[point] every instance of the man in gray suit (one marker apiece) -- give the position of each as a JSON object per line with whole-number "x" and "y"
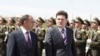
{"x": 59, "y": 39}
{"x": 23, "y": 42}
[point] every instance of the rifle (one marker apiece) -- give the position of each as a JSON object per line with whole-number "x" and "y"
{"x": 6, "y": 34}
{"x": 88, "y": 43}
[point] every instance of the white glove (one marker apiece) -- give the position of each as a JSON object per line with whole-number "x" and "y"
{"x": 6, "y": 32}
{"x": 75, "y": 39}
{"x": 86, "y": 49}
{"x": 89, "y": 41}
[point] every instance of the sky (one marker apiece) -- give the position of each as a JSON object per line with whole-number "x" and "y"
{"x": 86, "y": 9}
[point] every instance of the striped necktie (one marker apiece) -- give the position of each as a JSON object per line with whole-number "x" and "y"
{"x": 28, "y": 42}
{"x": 64, "y": 36}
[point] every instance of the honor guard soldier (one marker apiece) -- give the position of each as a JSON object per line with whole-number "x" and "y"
{"x": 10, "y": 27}
{"x": 79, "y": 37}
{"x": 2, "y": 36}
{"x": 41, "y": 34}
{"x": 72, "y": 24}
{"x": 94, "y": 40}
{"x": 86, "y": 25}
{"x": 50, "y": 22}
{"x": 86, "y": 28}
{"x": 18, "y": 24}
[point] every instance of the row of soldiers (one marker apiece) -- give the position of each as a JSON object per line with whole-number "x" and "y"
{"x": 86, "y": 34}
{"x": 6, "y": 27}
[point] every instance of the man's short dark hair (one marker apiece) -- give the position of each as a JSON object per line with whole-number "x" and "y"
{"x": 24, "y": 18}
{"x": 62, "y": 13}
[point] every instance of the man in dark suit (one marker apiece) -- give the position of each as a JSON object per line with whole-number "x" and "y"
{"x": 59, "y": 39}
{"x": 23, "y": 42}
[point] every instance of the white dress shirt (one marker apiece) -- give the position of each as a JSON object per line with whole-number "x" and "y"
{"x": 24, "y": 32}
{"x": 61, "y": 32}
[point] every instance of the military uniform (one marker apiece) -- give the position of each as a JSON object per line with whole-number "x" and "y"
{"x": 18, "y": 23}
{"x": 10, "y": 28}
{"x": 95, "y": 45}
{"x": 41, "y": 35}
{"x": 86, "y": 28}
{"x": 95, "y": 39}
{"x": 79, "y": 37}
{"x": 40, "y": 31}
{"x": 80, "y": 41}
{"x": 2, "y": 37}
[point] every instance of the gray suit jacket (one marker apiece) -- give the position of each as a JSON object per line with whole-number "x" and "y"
{"x": 54, "y": 43}
{"x": 16, "y": 45}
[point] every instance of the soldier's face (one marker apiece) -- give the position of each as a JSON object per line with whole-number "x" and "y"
{"x": 94, "y": 25}
{"x": 61, "y": 21}
{"x": 72, "y": 24}
{"x": 49, "y": 23}
{"x": 18, "y": 23}
{"x": 10, "y": 22}
{"x": 77, "y": 24}
{"x": 0, "y": 21}
{"x": 38, "y": 23}
{"x": 84, "y": 26}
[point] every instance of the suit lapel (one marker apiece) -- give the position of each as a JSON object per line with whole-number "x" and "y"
{"x": 23, "y": 38}
{"x": 59, "y": 35}
{"x": 32, "y": 39}
{"x": 67, "y": 36}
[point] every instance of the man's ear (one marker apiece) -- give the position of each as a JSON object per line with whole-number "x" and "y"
{"x": 25, "y": 22}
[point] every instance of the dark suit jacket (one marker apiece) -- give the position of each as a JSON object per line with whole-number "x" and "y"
{"x": 55, "y": 46}
{"x": 17, "y": 44}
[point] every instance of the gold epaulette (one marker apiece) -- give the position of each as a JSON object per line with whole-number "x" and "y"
{"x": 98, "y": 31}
{"x": 82, "y": 30}
{"x": 4, "y": 26}
{"x": 42, "y": 28}
{"x": 12, "y": 26}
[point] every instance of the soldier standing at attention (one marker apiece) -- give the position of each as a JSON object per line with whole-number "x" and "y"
{"x": 2, "y": 36}
{"x": 11, "y": 25}
{"x": 95, "y": 38}
{"x": 79, "y": 37}
{"x": 50, "y": 22}
{"x": 41, "y": 34}
{"x": 18, "y": 24}
{"x": 72, "y": 24}
{"x": 86, "y": 28}
{"x": 86, "y": 25}
{"x": 10, "y": 28}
